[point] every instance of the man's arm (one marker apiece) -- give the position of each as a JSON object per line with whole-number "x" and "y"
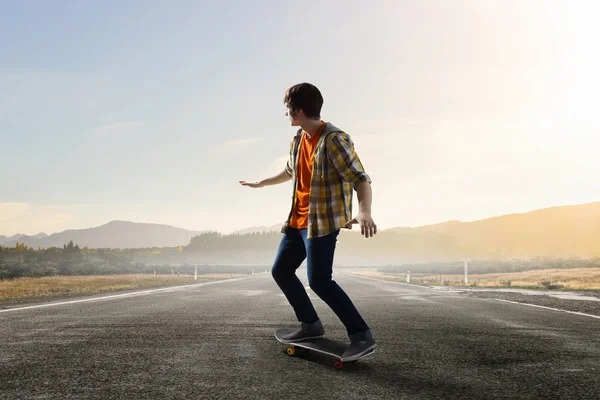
{"x": 364, "y": 219}
{"x": 281, "y": 177}
{"x": 347, "y": 163}
{"x": 365, "y": 195}
{"x": 273, "y": 180}
{"x": 345, "y": 160}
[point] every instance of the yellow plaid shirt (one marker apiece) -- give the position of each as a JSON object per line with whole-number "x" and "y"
{"x": 336, "y": 171}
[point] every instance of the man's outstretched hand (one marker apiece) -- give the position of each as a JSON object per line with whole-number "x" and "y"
{"x": 251, "y": 184}
{"x": 367, "y": 226}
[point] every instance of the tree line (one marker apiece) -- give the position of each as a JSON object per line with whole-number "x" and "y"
{"x": 24, "y": 261}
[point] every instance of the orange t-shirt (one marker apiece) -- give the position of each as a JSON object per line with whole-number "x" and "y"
{"x": 306, "y": 152}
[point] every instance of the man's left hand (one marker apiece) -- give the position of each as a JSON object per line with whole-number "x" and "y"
{"x": 367, "y": 226}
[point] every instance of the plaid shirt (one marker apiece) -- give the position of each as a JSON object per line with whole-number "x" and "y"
{"x": 336, "y": 171}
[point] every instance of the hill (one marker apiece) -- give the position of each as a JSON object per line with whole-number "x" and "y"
{"x": 556, "y": 231}
{"x": 115, "y": 235}
{"x": 564, "y": 231}
{"x": 258, "y": 229}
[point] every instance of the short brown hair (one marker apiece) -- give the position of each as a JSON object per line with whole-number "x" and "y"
{"x": 305, "y": 97}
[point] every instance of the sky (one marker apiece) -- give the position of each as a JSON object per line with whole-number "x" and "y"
{"x": 152, "y": 111}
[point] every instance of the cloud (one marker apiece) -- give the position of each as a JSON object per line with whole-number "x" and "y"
{"x": 116, "y": 127}
{"x": 276, "y": 166}
{"x": 377, "y": 126}
{"x": 232, "y": 147}
{"x": 239, "y": 144}
{"x": 34, "y": 94}
{"x": 31, "y": 219}
{"x": 10, "y": 211}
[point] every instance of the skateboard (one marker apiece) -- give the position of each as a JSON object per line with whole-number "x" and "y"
{"x": 330, "y": 347}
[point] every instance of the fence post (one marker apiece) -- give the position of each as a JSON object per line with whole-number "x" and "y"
{"x": 466, "y": 272}
{"x": 196, "y": 273}
{"x": 407, "y": 276}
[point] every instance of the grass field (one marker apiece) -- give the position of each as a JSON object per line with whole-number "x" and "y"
{"x": 567, "y": 279}
{"x": 26, "y": 288}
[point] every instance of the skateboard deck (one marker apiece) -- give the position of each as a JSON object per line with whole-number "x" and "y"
{"x": 326, "y": 346}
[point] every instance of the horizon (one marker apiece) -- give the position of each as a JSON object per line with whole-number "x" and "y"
{"x": 458, "y": 113}
{"x": 269, "y": 225}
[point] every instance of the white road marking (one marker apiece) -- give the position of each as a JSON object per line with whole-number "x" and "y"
{"x": 116, "y": 296}
{"x": 550, "y": 308}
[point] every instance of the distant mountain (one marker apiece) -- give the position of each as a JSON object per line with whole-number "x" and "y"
{"x": 19, "y": 236}
{"x": 258, "y": 229}
{"x": 559, "y": 231}
{"x": 116, "y": 235}
{"x": 566, "y": 231}
{"x": 4, "y": 239}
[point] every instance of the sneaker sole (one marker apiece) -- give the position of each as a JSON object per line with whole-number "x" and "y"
{"x": 359, "y": 355}
{"x": 291, "y": 341}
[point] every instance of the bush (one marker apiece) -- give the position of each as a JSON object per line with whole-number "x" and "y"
{"x": 550, "y": 285}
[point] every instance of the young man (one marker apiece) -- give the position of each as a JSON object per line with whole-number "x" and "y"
{"x": 324, "y": 168}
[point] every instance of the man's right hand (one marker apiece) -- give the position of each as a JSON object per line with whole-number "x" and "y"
{"x": 252, "y": 184}
{"x": 274, "y": 180}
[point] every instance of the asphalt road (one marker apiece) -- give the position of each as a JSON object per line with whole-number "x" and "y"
{"x": 216, "y": 341}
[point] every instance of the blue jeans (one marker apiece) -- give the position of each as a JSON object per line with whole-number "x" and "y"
{"x": 293, "y": 249}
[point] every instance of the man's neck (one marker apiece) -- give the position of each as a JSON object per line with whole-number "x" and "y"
{"x": 311, "y": 126}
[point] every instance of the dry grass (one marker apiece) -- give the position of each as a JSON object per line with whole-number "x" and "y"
{"x": 573, "y": 279}
{"x": 24, "y": 288}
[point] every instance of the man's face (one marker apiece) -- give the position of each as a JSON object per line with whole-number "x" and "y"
{"x": 295, "y": 117}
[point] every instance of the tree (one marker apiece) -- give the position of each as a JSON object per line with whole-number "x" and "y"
{"x": 71, "y": 248}
{"x": 21, "y": 247}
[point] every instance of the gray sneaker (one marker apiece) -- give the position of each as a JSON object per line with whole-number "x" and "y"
{"x": 306, "y": 332}
{"x": 360, "y": 344}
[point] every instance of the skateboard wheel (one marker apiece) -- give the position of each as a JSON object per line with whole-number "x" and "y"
{"x": 291, "y": 350}
{"x": 339, "y": 364}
